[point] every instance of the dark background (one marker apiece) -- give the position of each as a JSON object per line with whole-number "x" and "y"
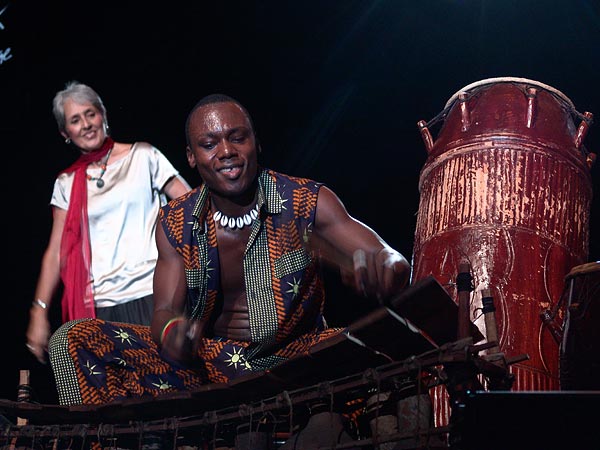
{"x": 335, "y": 89}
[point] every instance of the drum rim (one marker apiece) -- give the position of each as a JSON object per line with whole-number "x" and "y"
{"x": 583, "y": 269}
{"x": 497, "y": 80}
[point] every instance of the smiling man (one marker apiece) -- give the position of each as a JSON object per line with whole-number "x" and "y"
{"x": 247, "y": 282}
{"x": 237, "y": 284}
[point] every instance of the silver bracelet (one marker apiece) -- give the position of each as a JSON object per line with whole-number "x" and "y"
{"x": 42, "y": 304}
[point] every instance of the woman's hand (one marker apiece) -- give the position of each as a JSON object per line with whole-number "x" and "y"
{"x": 38, "y": 333}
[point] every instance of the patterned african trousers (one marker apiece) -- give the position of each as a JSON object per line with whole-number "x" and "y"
{"x": 95, "y": 362}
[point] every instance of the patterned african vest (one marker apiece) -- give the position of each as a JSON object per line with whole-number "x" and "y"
{"x": 283, "y": 283}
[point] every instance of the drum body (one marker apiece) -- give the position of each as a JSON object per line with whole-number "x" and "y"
{"x": 580, "y": 344}
{"x": 507, "y": 187}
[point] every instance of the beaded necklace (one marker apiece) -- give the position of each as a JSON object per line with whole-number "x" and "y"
{"x": 99, "y": 181}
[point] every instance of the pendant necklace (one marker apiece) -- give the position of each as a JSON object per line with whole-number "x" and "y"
{"x": 236, "y": 222}
{"x": 99, "y": 181}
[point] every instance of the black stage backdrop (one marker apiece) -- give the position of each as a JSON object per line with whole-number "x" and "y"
{"x": 335, "y": 87}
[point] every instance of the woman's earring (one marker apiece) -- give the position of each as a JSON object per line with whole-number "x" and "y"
{"x": 67, "y": 140}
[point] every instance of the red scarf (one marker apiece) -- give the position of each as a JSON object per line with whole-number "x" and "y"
{"x": 75, "y": 249}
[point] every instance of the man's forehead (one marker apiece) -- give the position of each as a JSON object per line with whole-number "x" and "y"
{"x": 218, "y": 116}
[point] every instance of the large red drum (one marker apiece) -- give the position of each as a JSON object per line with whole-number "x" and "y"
{"x": 507, "y": 187}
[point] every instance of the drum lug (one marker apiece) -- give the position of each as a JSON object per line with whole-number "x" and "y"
{"x": 531, "y": 110}
{"x": 465, "y": 114}
{"x": 425, "y": 135}
{"x": 583, "y": 129}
